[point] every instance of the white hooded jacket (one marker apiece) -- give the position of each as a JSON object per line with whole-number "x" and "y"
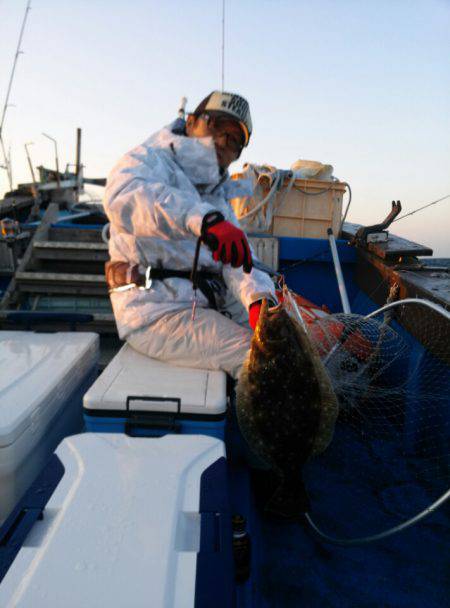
{"x": 155, "y": 199}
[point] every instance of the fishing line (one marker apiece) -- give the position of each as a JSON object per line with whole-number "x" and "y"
{"x": 223, "y": 45}
{"x": 424, "y": 207}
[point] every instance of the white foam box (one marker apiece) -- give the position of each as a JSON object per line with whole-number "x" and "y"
{"x": 141, "y": 395}
{"x": 133, "y": 522}
{"x": 42, "y": 379}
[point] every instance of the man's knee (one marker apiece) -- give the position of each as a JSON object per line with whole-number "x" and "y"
{"x": 209, "y": 341}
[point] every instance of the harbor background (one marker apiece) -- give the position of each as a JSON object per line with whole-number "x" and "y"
{"x": 362, "y": 86}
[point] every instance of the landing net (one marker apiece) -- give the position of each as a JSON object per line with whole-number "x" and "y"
{"x": 389, "y": 461}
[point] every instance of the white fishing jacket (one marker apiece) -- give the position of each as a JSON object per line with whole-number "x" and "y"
{"x": 155, "y": 199}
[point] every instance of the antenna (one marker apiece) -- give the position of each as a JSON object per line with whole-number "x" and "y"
{"x": 55, "y": 143}
{"x": 6, "y": 104}
{"x": 223, "y": 44}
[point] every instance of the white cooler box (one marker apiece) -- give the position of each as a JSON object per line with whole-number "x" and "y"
{"x": 43, "y": 377}
{"x": 146, "y": 397}
{"x": 139, "y": 522}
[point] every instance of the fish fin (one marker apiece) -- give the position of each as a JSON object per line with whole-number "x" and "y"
{"x": 290, "y": 500}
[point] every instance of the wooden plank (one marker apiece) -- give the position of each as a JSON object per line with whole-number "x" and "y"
{"x": 61, "y": 289}
{"x": 102, "y": 323}
{"x": 61, "y": 278}
{"x": 375, "y": 278}
{"x": 75, "y": 234}
{"x": 72, "y": 266}
{"x": 394, "y": 248}
{"x": 85, "y": 246}
{"x": 61, "y": 283}
{"x": 429, "y": 284}
{"x": 97, "y": 316}
{"x": 70, "y": 251}
{"x": 71, "y": 255}
{"x": 41, "y": 234}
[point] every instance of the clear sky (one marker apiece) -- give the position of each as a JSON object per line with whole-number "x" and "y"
{"x": 362, "y": 85}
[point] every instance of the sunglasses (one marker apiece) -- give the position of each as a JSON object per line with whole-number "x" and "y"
{"x": 218, "y": 128}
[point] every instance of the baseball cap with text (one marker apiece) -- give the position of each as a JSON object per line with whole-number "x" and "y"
{"x": 219, "y": 103}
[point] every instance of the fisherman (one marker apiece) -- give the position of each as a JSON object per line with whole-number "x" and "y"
{"x": 164, "y": 198}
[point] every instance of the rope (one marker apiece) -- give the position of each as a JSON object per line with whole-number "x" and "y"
{"x": 344, "y": 217}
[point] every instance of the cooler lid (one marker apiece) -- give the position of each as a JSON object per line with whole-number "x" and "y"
{"x": 122, "y": 527}
{"x": 39, "y": 371}
{"x": 139, "y": 383}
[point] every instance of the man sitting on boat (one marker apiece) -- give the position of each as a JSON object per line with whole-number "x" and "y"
{"x": 160, "y": 198}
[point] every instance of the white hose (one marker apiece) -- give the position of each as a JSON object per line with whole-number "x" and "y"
{"x": 270, "y": 201}
{"x": 264, "y": 201}
{"x": 364, "y": 540}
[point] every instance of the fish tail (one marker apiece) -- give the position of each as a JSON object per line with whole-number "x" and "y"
{"x": 290, "y": 500}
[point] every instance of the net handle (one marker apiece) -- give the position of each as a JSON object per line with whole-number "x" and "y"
{"x": 436, "y": 307}
{"x": 364, "y": 540}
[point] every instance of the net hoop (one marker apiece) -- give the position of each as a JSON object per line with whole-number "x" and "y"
{"x": 363, "y": 540}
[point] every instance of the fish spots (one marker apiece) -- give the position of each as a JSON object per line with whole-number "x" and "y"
{"x": 282, "y": 393}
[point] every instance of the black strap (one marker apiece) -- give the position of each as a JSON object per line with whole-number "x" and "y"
{"x": 159, "y": 274}
{"x": 207, "y": 290}
{"x": 201, "y": 279}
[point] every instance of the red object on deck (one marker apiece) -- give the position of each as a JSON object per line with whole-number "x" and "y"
{"x": 327, "y": 334}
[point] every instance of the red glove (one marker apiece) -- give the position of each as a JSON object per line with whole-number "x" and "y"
{"x": 253, "y": 314}
{"x": 227, "y": 242}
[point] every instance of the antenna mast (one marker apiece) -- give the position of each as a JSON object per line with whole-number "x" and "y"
{"x": 7, "y": 160}
{"x": 223, "y": 44}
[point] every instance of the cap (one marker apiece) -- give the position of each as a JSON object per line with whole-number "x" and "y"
{"x": 228, "y": 104}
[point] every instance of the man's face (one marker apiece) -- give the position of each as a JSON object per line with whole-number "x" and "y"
{"x": 226, "y": 133}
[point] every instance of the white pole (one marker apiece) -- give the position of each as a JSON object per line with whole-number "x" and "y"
{"x": 339, "y": 275}
{"x": 55, "y": 143}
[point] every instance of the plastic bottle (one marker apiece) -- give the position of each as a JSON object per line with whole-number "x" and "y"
{"x": 241, "y": 549}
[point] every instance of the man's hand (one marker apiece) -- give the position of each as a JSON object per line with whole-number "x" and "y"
{"x": 227, "y": 242}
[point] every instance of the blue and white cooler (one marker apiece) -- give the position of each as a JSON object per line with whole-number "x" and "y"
{"x": 131, "y": 521}
{"x": 146, "y": 397}
{"x": 43, "y": 377}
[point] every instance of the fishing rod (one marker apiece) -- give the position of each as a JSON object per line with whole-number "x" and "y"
{"x": 7, "y": 160}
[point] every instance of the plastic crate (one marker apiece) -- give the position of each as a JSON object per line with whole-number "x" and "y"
{"x": 308, "y": 209}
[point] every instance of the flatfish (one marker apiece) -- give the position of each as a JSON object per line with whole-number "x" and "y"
{"x": 285, "y": 404}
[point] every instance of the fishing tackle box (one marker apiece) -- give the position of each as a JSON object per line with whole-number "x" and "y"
{"x": 141, "y": 396}
{"x": 43, "y": 377}
{"x": 129, "y": 522}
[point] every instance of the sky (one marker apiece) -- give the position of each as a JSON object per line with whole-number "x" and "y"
{"x": 363, "y": 86}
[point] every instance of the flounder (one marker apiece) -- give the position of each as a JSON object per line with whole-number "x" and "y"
{"x": 286, "y": 406}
